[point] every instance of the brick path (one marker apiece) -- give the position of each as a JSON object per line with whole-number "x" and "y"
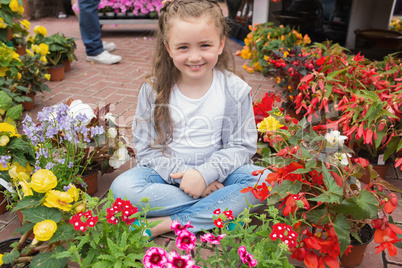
{"x": 118, "y": 84}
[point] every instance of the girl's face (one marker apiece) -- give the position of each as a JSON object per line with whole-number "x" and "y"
{"x": 194, "y": 45}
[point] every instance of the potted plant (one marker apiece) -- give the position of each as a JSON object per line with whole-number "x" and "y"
{"x": 70, "y": 55}
{"x": 58, "y": 45}
{"x": 9, "y": 10}
{"x": 79, "y": 140}
{"x": 20, "y": 31}
{"x": 9, "y": 62}
{"x": 314, "y": 180}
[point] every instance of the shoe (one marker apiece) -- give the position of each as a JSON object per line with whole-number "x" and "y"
{"x": 146, "y": 233}
{"x": 104, "y": 58}
{"x": 232, "y": 225}
{"x": 109, "y": 47}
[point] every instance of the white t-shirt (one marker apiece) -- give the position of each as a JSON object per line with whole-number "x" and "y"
{"x": 198, "y": 122}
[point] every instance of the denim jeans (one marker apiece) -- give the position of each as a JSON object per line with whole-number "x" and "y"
{"x": 140, "y": 182}
{"x": 90, "y": 27}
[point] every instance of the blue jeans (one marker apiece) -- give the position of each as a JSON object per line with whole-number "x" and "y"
{"x": 140, "y": 182}
{"x": 90, "y": 27}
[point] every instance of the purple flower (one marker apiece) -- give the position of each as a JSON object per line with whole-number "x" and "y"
{"x": 212, "y": 238}
{"x": 155, "y": 258}
{"x": 246, "y": 257}
{"x": 186, "y": 240}
{"x": 70, "y": 164}
{"x": 97, "y": 131}
{"x": 49, "y": 165}
{"x": 177, "y": 227}
{"x": 4, "y": 160}
{"x": 61, "y": 161}
{"x": 175, "y": 260}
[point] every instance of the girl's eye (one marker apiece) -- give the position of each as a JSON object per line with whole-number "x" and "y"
{"x": 205, "y": 45}
{"x": 182, "y": 47}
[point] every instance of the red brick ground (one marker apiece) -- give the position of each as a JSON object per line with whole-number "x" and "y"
{"x": 118, "y": 84}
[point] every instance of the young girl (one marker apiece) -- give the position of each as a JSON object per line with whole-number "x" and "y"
{"x": 194, "y": 129}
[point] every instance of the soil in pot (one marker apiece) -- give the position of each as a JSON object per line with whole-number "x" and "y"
{"x": 355, "y": 257}
{"x": 5, "y": 247}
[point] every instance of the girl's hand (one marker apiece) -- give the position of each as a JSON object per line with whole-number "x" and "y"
{"x": 192, "y": 182}
{"x": 212, "y": 188}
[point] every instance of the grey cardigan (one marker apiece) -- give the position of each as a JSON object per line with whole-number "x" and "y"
{"x": 239, "y": 135}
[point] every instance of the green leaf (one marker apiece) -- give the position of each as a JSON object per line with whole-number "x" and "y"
{"x": 332, "y": 187}
{"x": 342, "y": 230}
{"x": 327, "y": 197}
{"x": 331, "y": 76}
{"x": 9, "y": 257}
{"x": 25, "y": 228}
{"x": 42, "y": 213}
{"x": 46, "y": 260}
{"x": 399, "y": 147}
{"x": 27, "y": 202}
{"x": 317, "y": 216}
{"x": 362, "y": 207}
{"x": 287, "y": 187}
{"x": 63, "y": 233}
{"x": 380, "y": 135}
{"x": 15, "y": 112}
{"x": 391, "y": 147}
{"x": 5, "y": 101}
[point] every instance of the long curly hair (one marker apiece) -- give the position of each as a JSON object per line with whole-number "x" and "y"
{"x": 164, "y": 73}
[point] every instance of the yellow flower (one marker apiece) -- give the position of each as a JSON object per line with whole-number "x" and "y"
{"x": 41, "y": 30}
{"x": 19, "y": 168}
{"x": 47, "y": 76}
{"x": 21, "y": 10}
{"x": 43, "y": 58}
{"x": 2, "y": 24}
{"x": 269, "y": 123}
{"x": 26, "y": 24}
{"x": 285, "y": 54}
{"x": 6, "y": 127}
{"x": 18, "y": 76}
{"x": 31, "y": 39}
{"x": 29, "y": 52}
{"x": 278, "y": 79}
{"x": 43, "y": 180}
{"x": 4, "y": 140}
{"x": 73, "y": 191}
{"x": 2, "y": 111}
{"x": 26, "y": 189}
{"x": 58, "y": 199}
{"x": 43, "y": 49}
{"x": 4, "y": 168}
{"x": 1, "y": 259}
{"x": 3, "y": 71}
{"x": 44, "y": 230}
{"x": 14, "y": 5}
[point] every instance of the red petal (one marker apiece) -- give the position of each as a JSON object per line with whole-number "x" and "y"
{"x": 311, "y": 260}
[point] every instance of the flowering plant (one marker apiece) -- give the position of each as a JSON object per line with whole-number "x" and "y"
{"x": 59, "y": 45}
{"x": 315, "y": 181}
{"x": 70, "y": 139}
{"x": 9, "y": 62}
{"x": 20, "y": 31}
{"x": 262, "y": 245}
{"x": 9, "y": 10}
{"x": 265, "y": 38}
{"x": 396, "y": 24}
{"x": 9, "y": 113}
{"x": 133, "y": 6}
{"x": 105, "y": 233}
{"x": 46, "y": 208}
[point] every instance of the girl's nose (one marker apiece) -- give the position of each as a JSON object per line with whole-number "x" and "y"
{"x": 194, "y": 56}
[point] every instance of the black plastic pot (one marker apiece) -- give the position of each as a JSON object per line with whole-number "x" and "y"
{"x": 377, "y": 43}
{"x": 5, "y": 246}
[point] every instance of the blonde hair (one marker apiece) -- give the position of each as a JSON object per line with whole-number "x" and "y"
{"x": 164, "y": 73}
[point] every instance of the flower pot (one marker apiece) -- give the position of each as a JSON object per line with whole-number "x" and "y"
{"x": 110, "y": 14}
{"x": 67, "y": 65}
{"x": 56, "y": 72}
{"x": 9, "y": 34}
{"x": 21, "y": 50}
{"x": 5, "y": 246}
{"x": 27, "y": 105}
{"x": 380, "y": 169}
{"x": 91, "y": 181}
{"x": 3, "y": 203}
{"x": 355, "y": 256}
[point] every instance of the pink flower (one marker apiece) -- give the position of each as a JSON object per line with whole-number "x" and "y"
{"x": 155, "y": 258}
{"x": 186, "y": 240}
{"x": 175, "y": 260}
{"x": 246, "y": 257}
{"x": 177, "y": 227}
{"x": 212, "y": 238}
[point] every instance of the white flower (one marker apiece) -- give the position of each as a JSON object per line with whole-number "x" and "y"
{"x": 112, "y": 133}
{"x": 110, "y": 117}
{"x": 77, "y": 107}
{"x": 119, "y": 158}
{"x": 343, "y": 158}
{"x": 335, "y": 138}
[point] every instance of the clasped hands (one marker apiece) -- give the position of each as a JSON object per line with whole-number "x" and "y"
{"x": 193, "y": 184}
